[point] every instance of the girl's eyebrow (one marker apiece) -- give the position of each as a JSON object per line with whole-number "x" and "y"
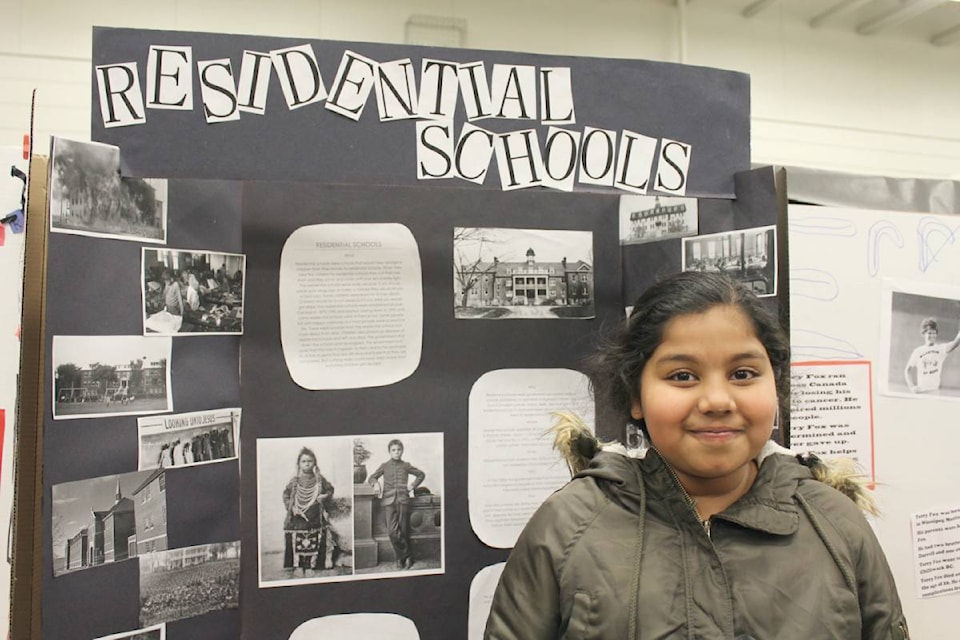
{"x": 686, "y": 358}
{"x": 680, "y": 358}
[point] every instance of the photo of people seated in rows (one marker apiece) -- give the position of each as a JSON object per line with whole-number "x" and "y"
{"x": 747, "y": 255}
{"x": 191, "y": 292}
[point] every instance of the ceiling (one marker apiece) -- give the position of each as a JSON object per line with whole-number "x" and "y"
{"x": 935, "y": 22}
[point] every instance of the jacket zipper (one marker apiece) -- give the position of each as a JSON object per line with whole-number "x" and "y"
{"x": 706, "y": 524}
{"x": 690, "y": 501}
{"x": 903, "y": 631}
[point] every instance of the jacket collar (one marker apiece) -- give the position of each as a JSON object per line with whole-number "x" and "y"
{"x": 768, "y": 506}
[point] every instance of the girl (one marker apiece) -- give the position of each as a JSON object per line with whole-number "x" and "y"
{"x": 713, "y": 531}
{"x": 306, "y": 499}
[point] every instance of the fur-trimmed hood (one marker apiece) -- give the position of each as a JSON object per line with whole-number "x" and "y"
{"x": 578, "y": 446}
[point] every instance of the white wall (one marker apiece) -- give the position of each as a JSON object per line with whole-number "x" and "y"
{"x": 821, "y": 98}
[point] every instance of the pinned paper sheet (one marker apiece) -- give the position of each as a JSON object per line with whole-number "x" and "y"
{"x": 831, "y": 411}
{"x": 481, "y": 599}
{"x": 358, "y": 626}
{"x": 351, "y": 305}
{"x": 513, "y": 90}
{"x": 556, "y": 98}
{"x": 299, "y": 74}
{"x": 170, "y": 77}
{"x": 153, "y": 632}
{"x": 513, "y": 467}
{"x": 936, "y": 550}
{"x": 439, "y": 88}
{"x": 352, "y": 86}
{"x": 217, "y": 90}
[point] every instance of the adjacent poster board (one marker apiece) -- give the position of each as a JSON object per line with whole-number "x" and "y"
{"x": 867, "y": 286}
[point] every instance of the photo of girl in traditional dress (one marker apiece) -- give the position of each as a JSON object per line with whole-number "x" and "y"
{"x": 309, "y": 540}
{"x": 306, "y": 510}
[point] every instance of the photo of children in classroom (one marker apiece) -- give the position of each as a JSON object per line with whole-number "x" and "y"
{"x": 190, "y": 292}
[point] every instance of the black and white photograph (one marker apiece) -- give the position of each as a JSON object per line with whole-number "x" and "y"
{"x": 305, "y": 510}
{"x": 98, "y": 376}
{"x": 749, "y": 255}
{"x": 398, "y": 498}
{"x": 189, "y": 581}
{"x": 188, "y": 439}
{"x": 651, "y": 218}
{"x": 153, "y": 632}
{"x": 501, "y": 273}
{"x": 89, "y": 197}
{"x": 108, "y": 519}
{"x": 921, "y": 330}
{"x": 192, "y": 292}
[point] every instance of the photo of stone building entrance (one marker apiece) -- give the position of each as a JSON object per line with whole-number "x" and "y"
{"x": 552, "y": 278}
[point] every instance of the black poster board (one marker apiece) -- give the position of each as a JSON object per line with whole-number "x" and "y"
{"x": 244, "y": 186}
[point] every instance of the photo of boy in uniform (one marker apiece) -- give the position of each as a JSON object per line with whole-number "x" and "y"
{"x": 394, "y": 493}
{"x": 925, "y": 365}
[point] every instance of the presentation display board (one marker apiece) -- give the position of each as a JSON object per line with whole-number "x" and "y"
{"x": 301, "y": 383}
{"x": 875, "y": 327}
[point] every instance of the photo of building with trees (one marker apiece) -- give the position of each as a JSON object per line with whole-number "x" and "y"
{"x": 88, "y": 196}
{"x": 103, "y": 382}
{"x": 491, "y": 283}
{"x": 110, "y": 375}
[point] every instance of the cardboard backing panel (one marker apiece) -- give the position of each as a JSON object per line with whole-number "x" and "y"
{"x": 25, "y": 591}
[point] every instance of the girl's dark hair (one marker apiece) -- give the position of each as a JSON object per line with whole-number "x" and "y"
{"x": 614, "y": 369}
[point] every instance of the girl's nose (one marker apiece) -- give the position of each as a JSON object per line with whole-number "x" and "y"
{"x": 715, "y": 397}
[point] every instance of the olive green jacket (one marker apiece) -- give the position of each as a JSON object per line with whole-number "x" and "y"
{"x": 619, "y": 553}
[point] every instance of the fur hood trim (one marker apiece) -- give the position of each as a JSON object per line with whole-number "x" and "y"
{"x": 575, "y": 442}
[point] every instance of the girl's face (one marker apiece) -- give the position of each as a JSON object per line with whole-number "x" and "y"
{"x": 306, "y": 463}
{"x": 708, "y": 396}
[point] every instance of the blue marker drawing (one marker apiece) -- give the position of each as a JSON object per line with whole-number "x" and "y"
{"x": 815, "y": 284}
{"x": 933, "y": 237}
{"x": 824, "y": 226}
{"x": 877, "y": 232}
{"x": 813, "y": 345}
